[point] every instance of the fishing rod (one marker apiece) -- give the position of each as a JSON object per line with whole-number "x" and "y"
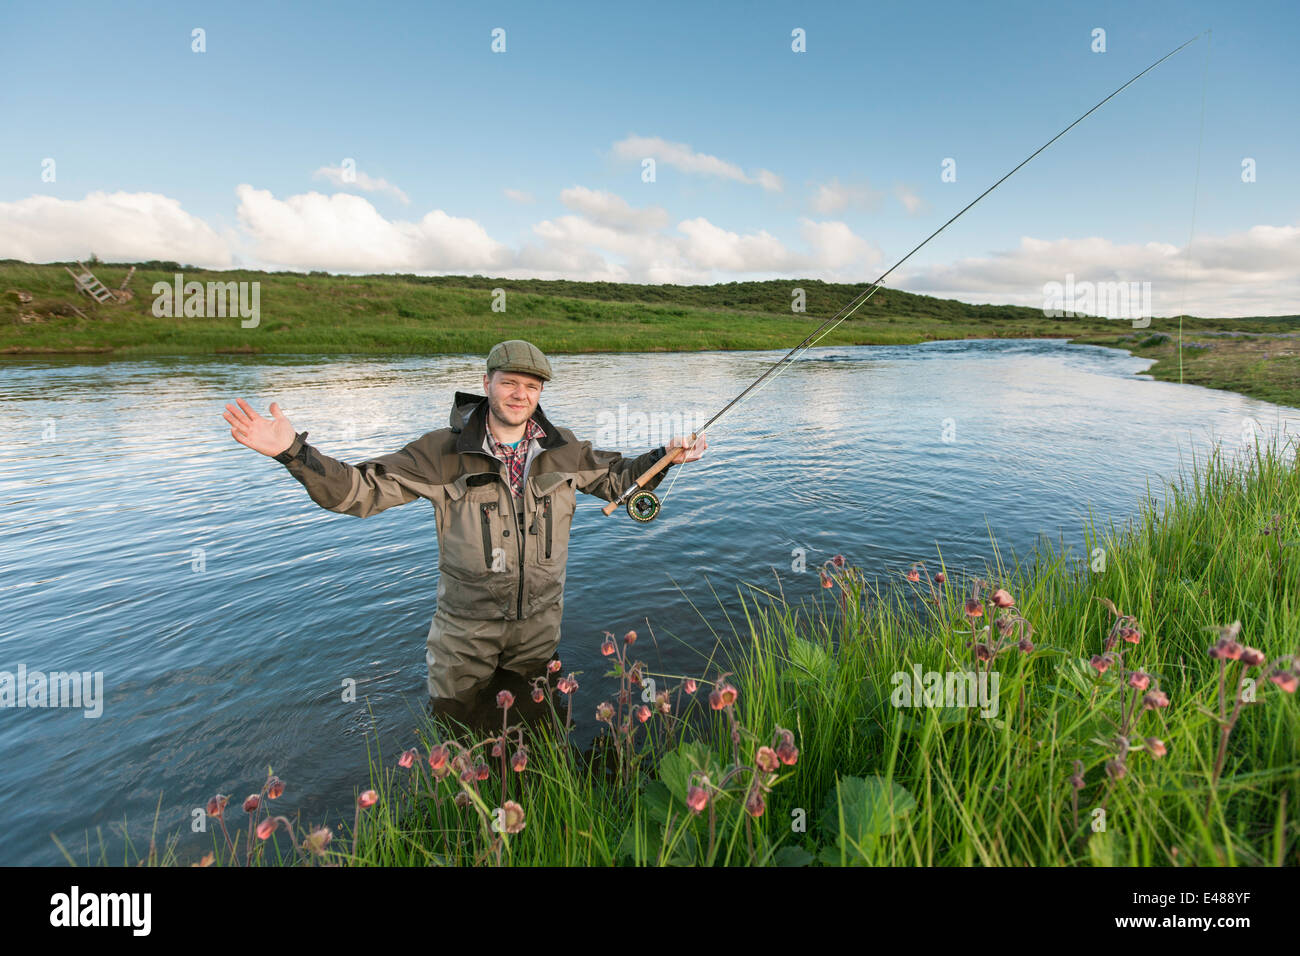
{"x": 643, "y": 505}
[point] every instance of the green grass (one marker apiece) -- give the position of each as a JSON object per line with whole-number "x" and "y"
{"x": 885, "y": 785}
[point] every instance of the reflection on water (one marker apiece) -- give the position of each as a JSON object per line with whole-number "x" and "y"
{"x": 227, "y": 611}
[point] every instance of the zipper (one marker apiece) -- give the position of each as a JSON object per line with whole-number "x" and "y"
{"x": 487, "y": 531}
{"x": 548, "y": 527}
{"x": 519, "y": 611}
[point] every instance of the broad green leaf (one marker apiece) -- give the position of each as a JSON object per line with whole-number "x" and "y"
{"x": 676, "y": 766}
{"x": 810, "y": 659}
{"x": 792, "y": 856}
{"x": 872, "y": 808}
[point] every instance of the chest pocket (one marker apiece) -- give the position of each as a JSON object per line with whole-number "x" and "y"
{"x": 474, "y": 538}
{"x": 554, "y": 502}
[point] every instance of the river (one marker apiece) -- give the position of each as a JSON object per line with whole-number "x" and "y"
{"x": 224, "y": 609}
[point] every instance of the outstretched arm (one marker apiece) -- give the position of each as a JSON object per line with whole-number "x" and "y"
{"x": 361, "y": 490}
{"x": 607, "y": 474}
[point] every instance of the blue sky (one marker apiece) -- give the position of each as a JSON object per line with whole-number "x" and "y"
{"x": 770, "y": 163}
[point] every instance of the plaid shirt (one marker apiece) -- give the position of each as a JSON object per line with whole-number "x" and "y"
{"x": 516, "y": 455}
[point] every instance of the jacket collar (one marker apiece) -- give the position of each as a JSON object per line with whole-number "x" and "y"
{"x": 468, "y": 423}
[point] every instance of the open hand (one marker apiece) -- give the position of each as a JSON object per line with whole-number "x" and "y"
{"x": 270, "y": 436}
{"x": 694, "y": 453}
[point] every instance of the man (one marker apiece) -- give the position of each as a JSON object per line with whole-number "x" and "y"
{"x": 503, "y": 482}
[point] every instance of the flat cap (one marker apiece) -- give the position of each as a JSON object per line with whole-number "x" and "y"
{"x": 517, "y": 355}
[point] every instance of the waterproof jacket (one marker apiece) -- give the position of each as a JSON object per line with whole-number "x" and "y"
{"x": 492, "y": 565}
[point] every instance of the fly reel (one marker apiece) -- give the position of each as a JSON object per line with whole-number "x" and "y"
{"x": 643, "y": 506}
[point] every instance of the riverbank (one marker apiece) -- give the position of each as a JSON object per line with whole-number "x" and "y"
{"x": 1136, "y": 707}
{"x": 1260, "y": 364}
{"x": 319, "y": 314}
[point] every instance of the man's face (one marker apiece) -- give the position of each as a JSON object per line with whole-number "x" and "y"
{"x": 512, "y": 396}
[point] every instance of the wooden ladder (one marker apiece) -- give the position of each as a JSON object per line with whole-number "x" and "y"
{"x": 88, "y": 284}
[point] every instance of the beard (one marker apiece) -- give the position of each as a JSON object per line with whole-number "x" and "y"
{"x": 511, "y": 416}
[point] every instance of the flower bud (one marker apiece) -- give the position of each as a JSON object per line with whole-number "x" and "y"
{"x": 696, "y": 798}
{"x": 438, "y": 757}
{"x": 1287, "y": 680}
{"x": 1155, "y": 698}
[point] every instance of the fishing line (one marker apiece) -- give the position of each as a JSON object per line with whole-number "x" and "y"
{"x": 834, "y": 321}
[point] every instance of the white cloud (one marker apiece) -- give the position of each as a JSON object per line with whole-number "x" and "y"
{"x": 344, "y": 178}
{"x": 116, "y": 226}
{"x": 346, "y": 233}
{"x": 913, "y": 203}
{"x": 1255, "y": 272}
{"x": 836, "y": 248}
{"x": 614, "y": 211}
{"x": 1250, "y": 272}
{"x": 835, "y": 197}
{"x": 713, "y": 247}
{"x": 697, "y": 252}
{"x": 518, "y": 195}
{"x": 681, "y": 156}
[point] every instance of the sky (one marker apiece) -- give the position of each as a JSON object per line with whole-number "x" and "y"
{"x": 370, "y": 138}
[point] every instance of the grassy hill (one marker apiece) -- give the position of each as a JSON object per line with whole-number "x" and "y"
{"x": 318, "y": 313}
